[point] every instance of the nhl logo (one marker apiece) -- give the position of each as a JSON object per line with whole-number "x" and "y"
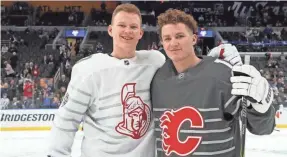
{"x": 181, "y": 76}
{"x": 126, "y": 62}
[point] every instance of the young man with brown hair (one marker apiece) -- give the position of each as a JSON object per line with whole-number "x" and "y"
{"x": 111, "y": 93}
{"x": 196, "y": 101}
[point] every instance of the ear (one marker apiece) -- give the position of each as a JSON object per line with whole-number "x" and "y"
{"x": 110, "y": 30}
{"x": 141, "y": 33}
{"x": 194, "y": 39}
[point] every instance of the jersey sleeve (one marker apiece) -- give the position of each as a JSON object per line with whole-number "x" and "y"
{"x": 261, "y": 123}
{"x": 75, "y": 103}
{"x": 257, "y": 123}
{"x": 158, "y": 58}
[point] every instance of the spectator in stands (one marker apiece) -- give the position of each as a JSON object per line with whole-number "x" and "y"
{"x": 51, "y": 59}
{"x": 63, "y": 82}
{"x": 30, "y": 67}
{"x": 36, "y": 71}
{"x": 200, "y": 19}
{"x": 4, "y": 88}
{"x": 12, "y": 89}
{"x": 12, "y": 48}
{"x": 281, "y": 74}
{"x": 4, "y": 102}
{"x": 282, "y": 96}
{"x": 68, "y": 71}
{"x": 25, "y": 73}
{"x": 62, "y": 92}
{"x": 4, "y": 49}
{"x": 99, "y": 48}
{"x": 280, "y": 83}
{"x": 14, "y": 60}
{"x": 267, "y": 75}
{"x": 45, "y": 60}
{"x": 27, "y": 102}
{"x": 56, "y": 102}
{"x": 28, "y": 89}
{"x": 16, "y": 104}
{"x": 9, "y": 70}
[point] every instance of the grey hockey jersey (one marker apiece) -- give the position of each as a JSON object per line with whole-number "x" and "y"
{"x": 196, "y": 115}
{"x": 112, "y": 97}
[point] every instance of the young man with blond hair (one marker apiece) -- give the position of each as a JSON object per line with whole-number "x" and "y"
{"x": 197, "y": 101}
{"x": 111, "y": 93}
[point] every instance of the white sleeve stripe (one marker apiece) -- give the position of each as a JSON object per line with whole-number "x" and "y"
{"x": 103, "y": 131}
{"x": 66, "y": 130}
{"x": 138, "y": 73}
{"x": 59, "y": 151}
{"x": 72, "y": 111}
{"x": 80, "y": 91}
{"x": 237, "y": 107}
{"x": 96, "y": 122}
{"x": 66, "y": 125}
{"x": 110, "y": 117}
{"x": 79, "y": 102}
{"x": 147, "y": 101}
{"x": 223, "y": 62}
{"x": 229, "y": 101}
{"x": 68, "y": 119}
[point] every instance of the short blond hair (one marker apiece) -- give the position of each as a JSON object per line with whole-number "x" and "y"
{"x": 174, "y": 16}
{"x": 127, "y": 7}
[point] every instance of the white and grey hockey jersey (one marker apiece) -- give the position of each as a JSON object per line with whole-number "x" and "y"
{"x": 112, "y": 97}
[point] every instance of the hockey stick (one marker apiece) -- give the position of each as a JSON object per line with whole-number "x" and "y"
{"x": 243, "y": 123}
{"x": 243, "y": 120}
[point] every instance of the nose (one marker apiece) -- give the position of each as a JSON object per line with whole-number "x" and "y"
{"x": 174, "y": 43}
{"x": 128, "y": 30}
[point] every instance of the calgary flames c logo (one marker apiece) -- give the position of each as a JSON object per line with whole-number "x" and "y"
{"x": 171, "y": 121}
{"x": 136, "y": 114}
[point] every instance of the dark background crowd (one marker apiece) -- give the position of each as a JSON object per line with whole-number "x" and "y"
{"x": 37, "y": 55}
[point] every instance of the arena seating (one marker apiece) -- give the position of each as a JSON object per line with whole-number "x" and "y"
{"x": 31, "y": 45}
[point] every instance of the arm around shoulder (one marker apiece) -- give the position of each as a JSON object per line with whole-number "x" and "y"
{"x": 158, "y": 57}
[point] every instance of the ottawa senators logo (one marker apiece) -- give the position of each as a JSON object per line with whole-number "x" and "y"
{"x": 171, "y": 121}
{"x": 136, "y": 114}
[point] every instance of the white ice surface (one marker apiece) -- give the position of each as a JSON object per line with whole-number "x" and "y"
{"x": 34, "y": 144}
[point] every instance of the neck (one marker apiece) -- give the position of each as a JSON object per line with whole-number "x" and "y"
{"x": 121, "y": 53}
{"x": 186, "y": 63}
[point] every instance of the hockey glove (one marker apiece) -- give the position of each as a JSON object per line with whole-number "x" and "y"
{"x": 228, "y": 53}
{"x": 247, "y": 81}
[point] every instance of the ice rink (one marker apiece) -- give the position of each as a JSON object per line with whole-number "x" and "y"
{"x": 34, "y": 144}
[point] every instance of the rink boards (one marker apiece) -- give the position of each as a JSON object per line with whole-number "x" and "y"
{"x": 37, "y": 120}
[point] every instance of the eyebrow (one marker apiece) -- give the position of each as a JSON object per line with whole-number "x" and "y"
{"x": 179, "y": 33}
{"x": 125, "y": 23}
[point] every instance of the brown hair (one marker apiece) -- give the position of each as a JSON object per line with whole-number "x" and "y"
{"x": 129, "y": 8}
{"x": 174, "y": 16}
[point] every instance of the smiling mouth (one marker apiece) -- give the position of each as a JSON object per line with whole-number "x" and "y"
{"x": 126, "y": 38}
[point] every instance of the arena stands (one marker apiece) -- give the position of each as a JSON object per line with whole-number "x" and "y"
{"x": 37, "y": 57}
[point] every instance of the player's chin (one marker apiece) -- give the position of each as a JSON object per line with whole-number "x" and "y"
{"x": 175, "y": 58}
